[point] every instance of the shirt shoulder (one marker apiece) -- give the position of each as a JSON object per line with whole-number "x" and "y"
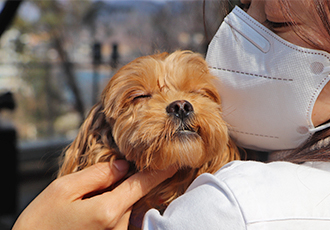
{"x": 251, "y": 195}
{"x": 280, "y": 193}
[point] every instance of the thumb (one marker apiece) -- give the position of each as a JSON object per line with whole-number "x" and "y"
{"x": 95, "y": 177}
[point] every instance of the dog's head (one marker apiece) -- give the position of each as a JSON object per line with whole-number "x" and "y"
{"x": 157, "y": 111}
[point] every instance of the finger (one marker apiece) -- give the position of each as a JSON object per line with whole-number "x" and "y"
{"x": 124, "y": 221}
{"x": 137, "y": 186}
{"x": 94, "y": 178}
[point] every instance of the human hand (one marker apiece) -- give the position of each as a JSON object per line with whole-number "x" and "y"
{"x": 62, "y": 205}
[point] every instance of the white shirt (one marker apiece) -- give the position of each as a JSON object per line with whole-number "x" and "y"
{"x": 252, "y": 196}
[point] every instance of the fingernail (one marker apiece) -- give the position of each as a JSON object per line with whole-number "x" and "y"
{"x": 121, "y": 165}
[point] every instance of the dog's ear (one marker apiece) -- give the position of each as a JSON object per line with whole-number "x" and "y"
{"x": 231, "y": 153}
{"x": 94, "y": 143}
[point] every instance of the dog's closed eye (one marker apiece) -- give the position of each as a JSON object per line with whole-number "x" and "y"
{"x": 141, "y": 96}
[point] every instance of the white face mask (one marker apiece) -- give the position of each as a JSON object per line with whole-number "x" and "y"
{"x": 268, "y": 86}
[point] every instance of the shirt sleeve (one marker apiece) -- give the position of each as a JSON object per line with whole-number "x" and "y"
{"x": 207, "y": 204}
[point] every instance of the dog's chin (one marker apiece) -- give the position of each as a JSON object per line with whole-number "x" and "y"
{"x": 186, "y": 149}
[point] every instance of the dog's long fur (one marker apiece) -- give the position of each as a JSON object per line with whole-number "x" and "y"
{"x": 131, "y": 122}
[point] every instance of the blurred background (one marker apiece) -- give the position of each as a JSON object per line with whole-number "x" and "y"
{"x": 56, "y": 56}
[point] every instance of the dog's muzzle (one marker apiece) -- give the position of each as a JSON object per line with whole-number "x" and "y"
{"x": 181, "y": 109}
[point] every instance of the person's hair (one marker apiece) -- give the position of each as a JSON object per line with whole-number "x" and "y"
{"x": 319, "y": 14}
{"x": 316, "y": 148}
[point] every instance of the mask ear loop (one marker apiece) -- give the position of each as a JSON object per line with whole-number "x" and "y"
{"x": 319, "y": 128}
{"x": 325, "y": 70}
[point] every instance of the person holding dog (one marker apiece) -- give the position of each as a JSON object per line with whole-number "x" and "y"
{"x": 272, "y": 58}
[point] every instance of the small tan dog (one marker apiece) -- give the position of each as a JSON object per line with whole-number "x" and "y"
{"x": 157, "y": 111}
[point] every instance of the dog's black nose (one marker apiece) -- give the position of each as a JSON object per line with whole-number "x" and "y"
{"x": 180, "y": 108}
